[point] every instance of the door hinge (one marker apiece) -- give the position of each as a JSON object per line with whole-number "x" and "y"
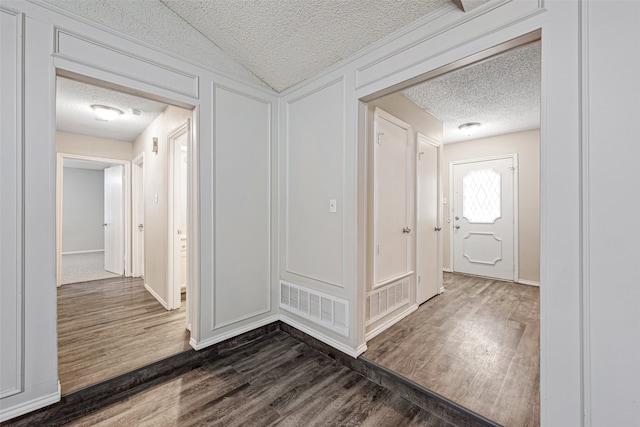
{"x": 378, "y": 249}
{"x": 380, "y": 138}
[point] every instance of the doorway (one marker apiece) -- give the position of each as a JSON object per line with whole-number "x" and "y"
{"x": 465, "y": 335}
{"x": 91, "y": 225}
{"x": 106, "y": 326}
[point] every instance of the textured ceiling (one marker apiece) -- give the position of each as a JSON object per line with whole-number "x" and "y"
{"x": 501, "y": 93}
{"x": 286, "y": 41}
{"x": 282, "y": 42}
{"x": 75, "y": 115}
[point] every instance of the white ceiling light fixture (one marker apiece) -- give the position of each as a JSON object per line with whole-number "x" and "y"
{"x": 106, "y": 113}
{"x": 469, "y": 128}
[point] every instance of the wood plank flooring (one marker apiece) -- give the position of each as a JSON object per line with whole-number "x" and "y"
{"x": 276, "y": 380}
{"x": 476, "y": 344}
{"x": 112, "y": 326}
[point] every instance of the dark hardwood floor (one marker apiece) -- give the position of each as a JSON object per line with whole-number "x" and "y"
{"x": 112, "y": 326}
{"x": 276, "y": 380}
{"x": 476, "y": 344}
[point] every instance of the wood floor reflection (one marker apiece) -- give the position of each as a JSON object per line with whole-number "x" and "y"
{"x": 112, "y": 326}
{"x": 476, "y": 344}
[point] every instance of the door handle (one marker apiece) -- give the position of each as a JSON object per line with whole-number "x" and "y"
{"x": 140, "y": 227}
{"x": 437, "y": 229}
{"x": 104, "y": 225}
{"x": 457, "y": 226}
{"x": 406, "y": 230}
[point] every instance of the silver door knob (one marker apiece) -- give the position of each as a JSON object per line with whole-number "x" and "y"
{"x": 140, "y": 226}
{"x": 437, "y": 229}
{"x": 406, "y": 230}
{"x": 457, "y": 226}
{"x": 104, "y": 225}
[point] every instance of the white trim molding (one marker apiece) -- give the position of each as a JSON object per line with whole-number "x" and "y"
{"x": 389, "y": 323}
{"x": 324, "y": 338}
{"x": 527, "y": 282}
{"x": 31, "y": 405}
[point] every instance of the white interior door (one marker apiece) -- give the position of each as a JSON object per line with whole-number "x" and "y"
{"x": 138, "y": 216}
{"x": 393, "y": 198}
{"x": 177, "y": 274}
{"x": 428, "y": 253}
{"x": 483, "y": 217}
{"x": 113, "y": 220}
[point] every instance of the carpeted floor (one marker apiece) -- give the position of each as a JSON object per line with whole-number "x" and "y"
{"x": 84, "y": 267}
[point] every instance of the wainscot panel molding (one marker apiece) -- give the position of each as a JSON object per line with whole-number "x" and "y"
{"x": 314, "y": 133}
{"x": 86, "y": 51}
{"x": 242, "y": 205}
{"x": 11, "y": 199}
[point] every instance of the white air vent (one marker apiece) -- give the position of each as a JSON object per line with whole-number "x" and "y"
{"x": 383, "y": 301}
{"x": 326, "y": 310}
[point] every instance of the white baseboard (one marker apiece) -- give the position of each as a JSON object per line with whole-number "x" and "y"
{"x": 441, "y": 290}
{"x": 379, "y": 329}
{"x": 528, "y": 282}
{"x": 31, "y": 405}
{"x": 447, "y": 270}
{"x": 83, "y": 252}
{"x": 325, "y": 339}
{"x": 156, "y": 296}
{"x": 232, "y": 333}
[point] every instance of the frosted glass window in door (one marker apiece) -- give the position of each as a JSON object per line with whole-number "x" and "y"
{"x": 481, "y": 196}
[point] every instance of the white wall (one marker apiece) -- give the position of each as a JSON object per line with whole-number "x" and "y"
{"x": 527, "y": 146}
{"x": 156, "y": 182}
{"x": 611, "y": 290}
{"x": 28, "y": 350}
{"x": 82, "y": 210}
{"x": 589, "y": 311}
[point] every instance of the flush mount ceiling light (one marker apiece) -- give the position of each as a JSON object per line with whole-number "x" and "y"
{"x": 469, "y": 128}
{"x": 106, "y": 113}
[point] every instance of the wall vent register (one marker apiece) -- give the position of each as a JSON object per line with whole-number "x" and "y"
{"x": 325, "y": 310}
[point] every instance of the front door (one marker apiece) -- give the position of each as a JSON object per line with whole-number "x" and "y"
{"x": 483, "y": 217}
{"x": 113, "y": 220}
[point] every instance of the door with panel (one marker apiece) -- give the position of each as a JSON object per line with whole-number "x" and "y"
{"x": 483, "y": 217}
{"x": 428, "y": 229}
{"x": 393, "y": 199}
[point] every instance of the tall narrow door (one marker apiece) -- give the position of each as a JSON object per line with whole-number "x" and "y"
{"x": 483, "y": 217}
{"x": 428, "y": 257}
{"x": 113, "y": 220}
{"x": 392, "y": 199}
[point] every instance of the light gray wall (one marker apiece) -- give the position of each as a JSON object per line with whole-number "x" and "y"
{"x": 82, "y": 210}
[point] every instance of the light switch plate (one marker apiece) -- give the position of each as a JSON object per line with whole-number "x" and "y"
{"x": 332, "y": 206}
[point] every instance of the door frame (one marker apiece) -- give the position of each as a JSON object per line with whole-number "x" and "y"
{"x": 60, "y": 157}
{"x": 137, "y": 217}
{"x": 514, "y": 159}
{"x": 411, "y": 196}
{"x": 173, "y": 291}
{"x": 420, "y": 137}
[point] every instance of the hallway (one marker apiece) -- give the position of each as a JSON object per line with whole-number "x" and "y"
{"x": 476, "y": 344}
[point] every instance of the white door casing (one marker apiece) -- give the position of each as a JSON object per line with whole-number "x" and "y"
{"x": 138, "y": 219}
{"x": 428, "y": 228}
{"x": 114, "y": 219}
{"x": 393, "y": 198}
{"x": 484, "y": 216}
{"x": 179, "y": 141}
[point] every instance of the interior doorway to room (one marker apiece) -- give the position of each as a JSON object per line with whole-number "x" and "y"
{"x": 91, "y": 225}
{"x": 475, "y": 341}
{"x": 110, "y": 325}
